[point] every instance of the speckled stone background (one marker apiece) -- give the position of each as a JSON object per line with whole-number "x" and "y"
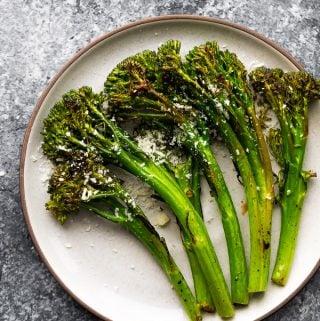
{"x": 36, "y": 38}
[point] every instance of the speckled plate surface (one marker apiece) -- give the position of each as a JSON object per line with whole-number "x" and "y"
{"x": 102, "y": 266}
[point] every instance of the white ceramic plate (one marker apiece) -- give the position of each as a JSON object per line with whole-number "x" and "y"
{"x": 102, "y": 266}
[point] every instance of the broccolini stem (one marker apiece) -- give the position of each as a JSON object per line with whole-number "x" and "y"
{"x": 202, "y": 292}
{"x": 258, "y": 267}
{"x": 266, "y": 199}
{"x": 191, "y": 224}
{"x": 292, "y": 195}
{"x": 196, "y": 185}
{"x": 237, "y": 259}
{"x": 145, "y": 232}
{"x": 182, "y": 174}
{"x": 253, "y": 141}
{"x": 291, "y": 204}
{"x": 253, "y": 176}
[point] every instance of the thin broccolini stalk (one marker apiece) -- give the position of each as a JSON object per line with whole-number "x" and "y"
{"x": 82, "y": 181}
{"x": 160, "y": 143}
{"x": 78, "y": 122}
{"x": 289, "y": 95}
{"x": 196, "y": 185}
{"x": 188, "y": 177}
{"x": 136, "y": 85}
{"x": 214, "y": 82}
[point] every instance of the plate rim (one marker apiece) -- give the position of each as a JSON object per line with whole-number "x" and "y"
{"x": 65, "y": 67}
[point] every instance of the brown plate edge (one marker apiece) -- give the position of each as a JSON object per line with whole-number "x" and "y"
{"x": 60, "y": 73}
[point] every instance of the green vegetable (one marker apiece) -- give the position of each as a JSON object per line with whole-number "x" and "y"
{"x": 188, "y": 177}
{"x": 162, "y": 146}
{"x": 214, "y": 82}
{"x": 78, "y": 122}
{"x": 136, "y": 85}
{"x": 84, "y": 182}
{"x": 289, "y": 95}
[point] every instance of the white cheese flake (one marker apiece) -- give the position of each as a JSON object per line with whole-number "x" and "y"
{"x": 86, "y": 194}
{"x": 161, "y": 219}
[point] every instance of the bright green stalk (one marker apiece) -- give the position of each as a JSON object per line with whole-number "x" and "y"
{"x": 196, "y": 185}
{"x": 191, "y": 224}
{"x": 187, "y": 175}
{"x": 157, "y": 247}
{"x": 182, "y": 172}
{"x": 238, "y": 267}
{"x": 288, "y": 95}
